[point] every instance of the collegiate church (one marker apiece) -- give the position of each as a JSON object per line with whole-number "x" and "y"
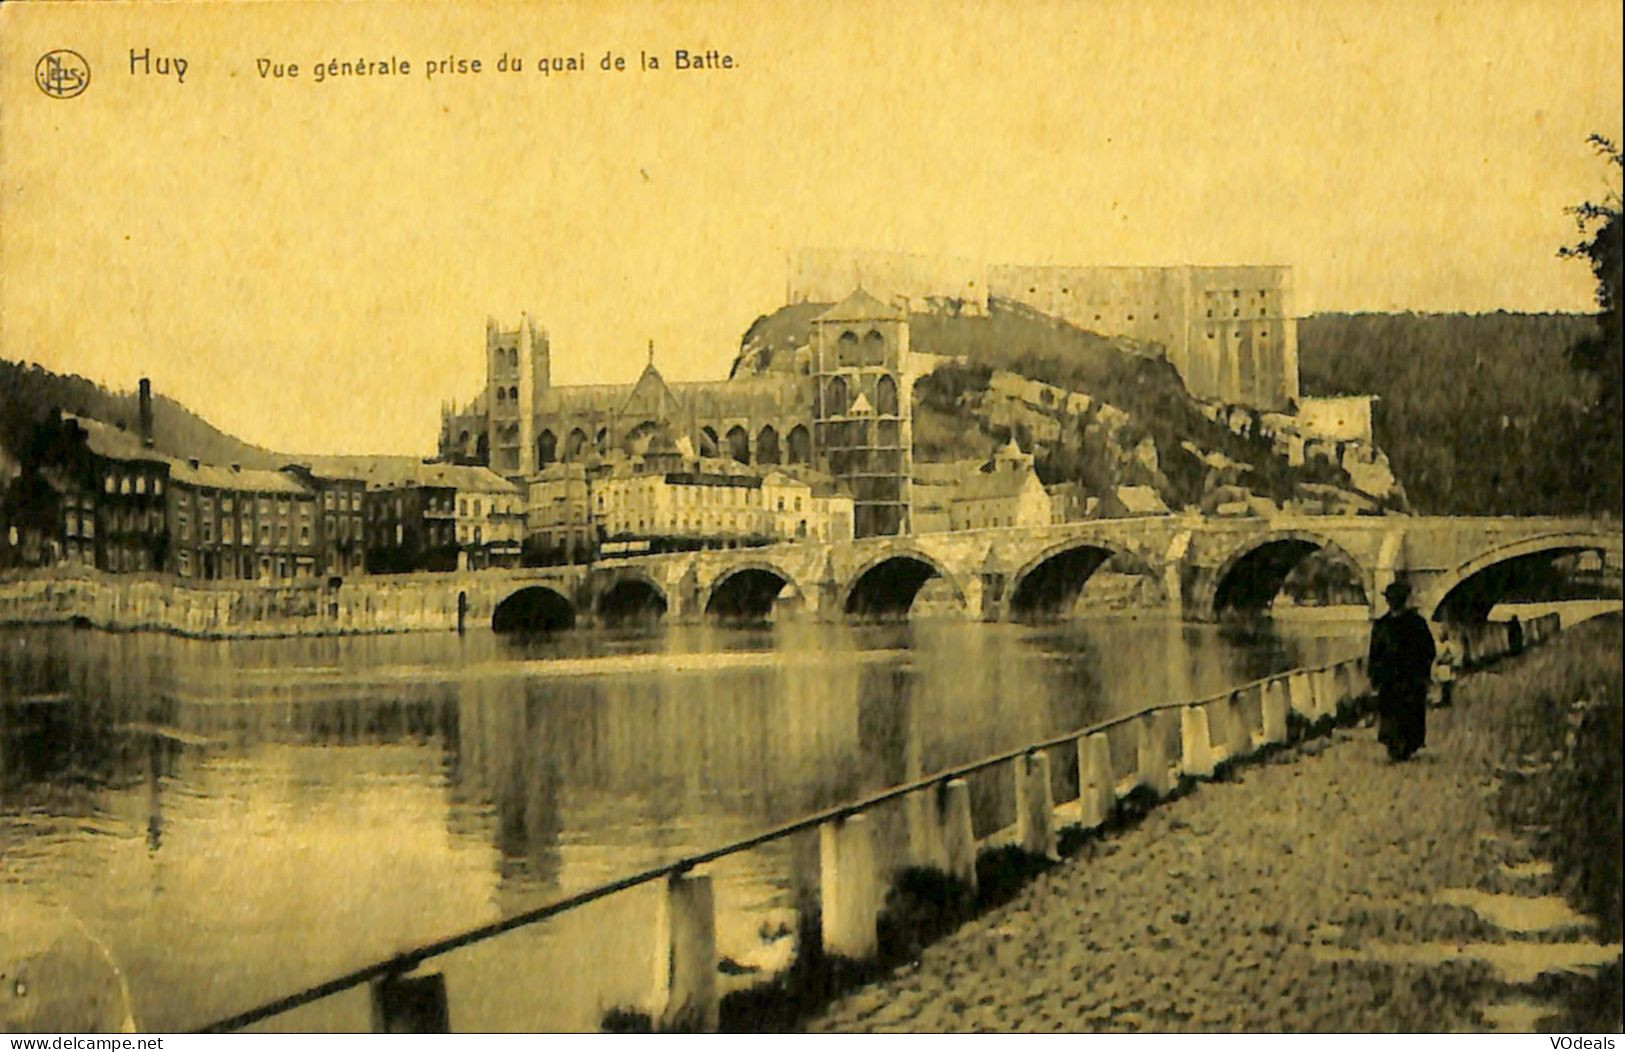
{"x": 842, "y": 408}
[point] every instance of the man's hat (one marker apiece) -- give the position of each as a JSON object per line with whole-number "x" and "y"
{"x": 1397, "y": 593}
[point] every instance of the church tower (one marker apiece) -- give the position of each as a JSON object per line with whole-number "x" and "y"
{"x": 517, "y": 374}
{"x": 863, "y": 430}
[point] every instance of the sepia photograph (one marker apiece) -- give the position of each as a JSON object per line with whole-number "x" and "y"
{"x": 817, "y": 517}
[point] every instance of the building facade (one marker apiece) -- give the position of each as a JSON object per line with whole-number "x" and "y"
{"x": 520, "y": 425}
{"x": 1230, "y": 331}
{"x": 1009, "y": 494}
{"x": 863, "y": 421}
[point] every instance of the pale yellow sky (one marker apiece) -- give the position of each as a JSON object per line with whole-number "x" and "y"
{"x": 310, "y": 264}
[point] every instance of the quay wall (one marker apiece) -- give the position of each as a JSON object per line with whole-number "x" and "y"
{"x": 229, "y": 610}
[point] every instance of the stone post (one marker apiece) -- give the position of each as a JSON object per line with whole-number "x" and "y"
{"x": 686, "y": 969}
{"x": 958, "y": 836}
{"x": 1035, "y": 805}
{"x": 1238, "y": 739}
{"x": 1196, "y": 748}
{"x": 1300, "y": 691}
{"x": 851, "y": 887}
{"x": 1153, "y": 767}
{"x": 1097, "y": 787}
{"x": 1275, "y": 705}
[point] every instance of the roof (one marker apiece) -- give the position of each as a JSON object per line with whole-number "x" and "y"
{"x": 115, "y": 443}
{"x": 111, "y": 442}
{"x": 995, "y": 485}
{"x": 650, "y": 397}
{"x": 1141, "y": 499}
{"x": 860, "y": 306}
{"x": 397, "y": 472}
{"x": 254, "y": 480}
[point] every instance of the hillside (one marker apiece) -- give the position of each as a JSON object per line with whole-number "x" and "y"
{"x": 1478, "y": 413}
{"x": 28, "y": 393}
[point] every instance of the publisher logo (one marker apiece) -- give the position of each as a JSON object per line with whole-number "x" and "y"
{"x": 62, "y": 74}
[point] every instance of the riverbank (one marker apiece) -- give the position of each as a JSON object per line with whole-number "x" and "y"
{"x": 1329, "y": 889}
{"x": 149, "y": 602}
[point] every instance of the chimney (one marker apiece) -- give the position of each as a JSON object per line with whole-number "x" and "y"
{"x": 146, "y": 412}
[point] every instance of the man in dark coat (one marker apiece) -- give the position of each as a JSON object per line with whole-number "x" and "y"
{"x": 1401, "y": 667}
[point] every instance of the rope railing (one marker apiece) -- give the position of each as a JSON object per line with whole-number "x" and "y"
{"x": 407, "y": 960}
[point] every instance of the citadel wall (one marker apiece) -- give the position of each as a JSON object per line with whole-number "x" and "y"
{"x": 1229, "y": 331}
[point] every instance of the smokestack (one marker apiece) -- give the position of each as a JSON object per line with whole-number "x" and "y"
{"x": 146, "y": 412}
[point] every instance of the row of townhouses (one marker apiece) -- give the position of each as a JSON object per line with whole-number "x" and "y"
{"x": 95, "y": 495}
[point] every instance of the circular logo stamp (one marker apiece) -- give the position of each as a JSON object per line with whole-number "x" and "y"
{"x": 62, "y": 74}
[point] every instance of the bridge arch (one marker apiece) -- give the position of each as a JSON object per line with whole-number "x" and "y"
{"x": 1048, "y": 585}
{"x": 748, "y": 591}
{"x": 885, "y": 587}
{"x": 1251, "y": 577}
{"x": 1470, "y": 590}
{"x": 534, "y": 608}
{"x": 631, "y": 596}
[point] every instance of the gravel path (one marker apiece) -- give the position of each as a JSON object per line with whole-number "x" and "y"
{"x": 1326, "y": 889}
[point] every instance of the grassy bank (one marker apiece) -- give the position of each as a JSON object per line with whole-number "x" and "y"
{"x": 1558, "y": 712}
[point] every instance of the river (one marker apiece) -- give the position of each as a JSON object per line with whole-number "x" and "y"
{"x": 236, "y": 821}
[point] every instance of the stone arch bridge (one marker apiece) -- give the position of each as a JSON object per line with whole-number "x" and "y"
{"x": 1197, "y": 568}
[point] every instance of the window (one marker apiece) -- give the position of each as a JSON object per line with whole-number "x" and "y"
{"x": 265, "y": 531}
{"x": 157, "y": 487}
{"x": 185, "y": 563}
{"x": 124, "y": 484}
{"x": 327, "y": 500}
{"x": 282, "y": 533}
{"x": 108, "y": 484}
{"x": 207, "y": 526}
{"x": 226, "y": 530}
{"x": 141, "y": 484}
{"x": 463, "y": 506}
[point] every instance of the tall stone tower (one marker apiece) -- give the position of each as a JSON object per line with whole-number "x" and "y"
{"x": 863, "y": 429}
{"x": 518, "y": 371}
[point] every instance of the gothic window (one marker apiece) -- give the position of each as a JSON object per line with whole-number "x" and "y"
{"x": 739, "y": 445}
{"x": 513, "y": 394}
{"x": 547, "y": 448}
{"x": 886, "y": 396}
{"x": 847, "y": 350}
{"x": 874, "y": 348}
{"x": 502, "y": 394}
{"x": 767, "y": 446}
{"x": 835, "y": 396}
{"x": 575, "y": 445}
{"x": 799, "y": 445}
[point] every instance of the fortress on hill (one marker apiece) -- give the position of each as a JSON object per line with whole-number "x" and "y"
{"x": 1229, "y": 331}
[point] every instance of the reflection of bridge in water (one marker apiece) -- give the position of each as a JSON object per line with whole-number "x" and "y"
{"x": 1194, "y": 567}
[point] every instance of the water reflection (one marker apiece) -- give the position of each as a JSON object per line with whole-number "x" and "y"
{"x": 236, "y": 820}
